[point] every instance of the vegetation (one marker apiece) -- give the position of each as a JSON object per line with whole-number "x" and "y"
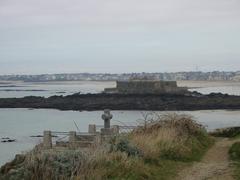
{"x": 231, "y": 132}
{"x": 234, "y": 153}
{"x": 155, "y": 150}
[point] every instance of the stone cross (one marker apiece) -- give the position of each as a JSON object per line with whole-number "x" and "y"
{"x": 107, "y": 116}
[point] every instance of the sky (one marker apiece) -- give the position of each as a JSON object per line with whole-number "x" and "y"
{"x": 118, "y": 36}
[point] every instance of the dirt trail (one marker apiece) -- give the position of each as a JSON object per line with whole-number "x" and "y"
{"x": 215, "y": 165}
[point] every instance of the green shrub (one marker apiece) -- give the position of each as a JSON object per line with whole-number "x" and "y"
{"x": 191, "y": 150}
{"x": 230, "y": 132}
{"x": 235, "y": 151}
{"x": 123, "y": 145}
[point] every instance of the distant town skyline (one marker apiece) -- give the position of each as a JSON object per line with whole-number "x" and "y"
{"x": 103, "y": 36}
{"x": 202, "y": 76}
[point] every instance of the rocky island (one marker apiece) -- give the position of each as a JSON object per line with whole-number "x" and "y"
{"x": 137, "y": 95}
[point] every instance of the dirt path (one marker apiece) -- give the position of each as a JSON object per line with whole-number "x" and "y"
{"x": 215, "y": 165}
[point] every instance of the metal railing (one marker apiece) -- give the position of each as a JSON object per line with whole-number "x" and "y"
{"x": 120, "y": 127}
{"x": 68, "y": 133}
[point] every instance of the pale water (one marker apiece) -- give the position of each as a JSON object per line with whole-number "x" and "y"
{"x": 206, "y": 87}
{"x": 20, "y": 124}
{"x": 21, "y": 89}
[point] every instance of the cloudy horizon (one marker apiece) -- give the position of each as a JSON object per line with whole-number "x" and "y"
{"x": 98, "y": 36}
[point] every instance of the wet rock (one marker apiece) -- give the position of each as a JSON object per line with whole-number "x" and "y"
{"x": 61, "y": 92}
{"x": 8, "y": 140}
{"x": 5, "y": 138}
{"x": 93, "y": 102}
{"x": 40, "y": 136}
{"x": 37, "y": 136}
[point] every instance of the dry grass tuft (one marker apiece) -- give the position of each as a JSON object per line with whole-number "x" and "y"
{"x": 184, "y": 124}
{"x": 167, "y": 133}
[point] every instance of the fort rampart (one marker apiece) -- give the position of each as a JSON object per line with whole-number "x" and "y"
{"x": 146, "y": 87}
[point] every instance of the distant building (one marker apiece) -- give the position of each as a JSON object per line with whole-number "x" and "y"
{"x": 147, "y": 87}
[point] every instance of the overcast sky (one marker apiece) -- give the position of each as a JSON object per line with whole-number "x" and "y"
{"x": 55, "y": 36}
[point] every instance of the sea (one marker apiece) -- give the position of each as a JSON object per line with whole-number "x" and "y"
{"x": 23, "y": 124}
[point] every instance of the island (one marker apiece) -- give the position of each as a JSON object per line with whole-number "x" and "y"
{"x": 131, "y": 95}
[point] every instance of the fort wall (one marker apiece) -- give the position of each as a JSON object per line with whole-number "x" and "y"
{"x": 146, "y": 87}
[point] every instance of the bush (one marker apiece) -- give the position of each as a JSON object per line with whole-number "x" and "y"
{"x": 235, "y": 151}
{"x": 173, "y": 137}
{"x": 123, "y": 145}
{"x": 230, "y": 132}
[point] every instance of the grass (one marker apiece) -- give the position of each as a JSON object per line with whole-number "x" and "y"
{"x": 234, "y": 153}
{"x": 174, "y": 137}
{"x": 155, "y": 150}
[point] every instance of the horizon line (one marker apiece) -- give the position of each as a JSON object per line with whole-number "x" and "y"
{"x": 91, "y": 73}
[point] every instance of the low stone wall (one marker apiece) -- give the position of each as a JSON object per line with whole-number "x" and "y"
{"x": 84, "y": 140}
{"x": 81, "y": 140}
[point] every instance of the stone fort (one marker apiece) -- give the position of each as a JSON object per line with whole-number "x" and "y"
{"x": 147, "y": 87}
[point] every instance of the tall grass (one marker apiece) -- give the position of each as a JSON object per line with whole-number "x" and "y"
{"x": 234, "y": 153}
{"x": 152, "y": 151}
{"x": 172, "y": 136}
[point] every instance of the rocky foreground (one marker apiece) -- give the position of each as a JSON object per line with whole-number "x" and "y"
{"x": 92, "y": 102}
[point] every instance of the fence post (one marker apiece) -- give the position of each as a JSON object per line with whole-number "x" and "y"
{"x": 47, "y": 139}
{"x": 115, "y": 129}
{"x": 92, "y": 129}
{"x": 72, "y": 137}
{"x": 98, "y": 139}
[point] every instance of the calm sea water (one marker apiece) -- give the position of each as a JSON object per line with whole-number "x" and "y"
{"x": 21, "y": 89}
{"x": 206, "y": 87}
{"x": 20, "y": 124}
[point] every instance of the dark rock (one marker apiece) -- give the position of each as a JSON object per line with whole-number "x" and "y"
{"x": 92, "y": 102}
{"x": 39, "y": 136}
{"x": 61, "y": 92}
{"x": 8, "y": 140}
{"x": 36, "y": 136}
